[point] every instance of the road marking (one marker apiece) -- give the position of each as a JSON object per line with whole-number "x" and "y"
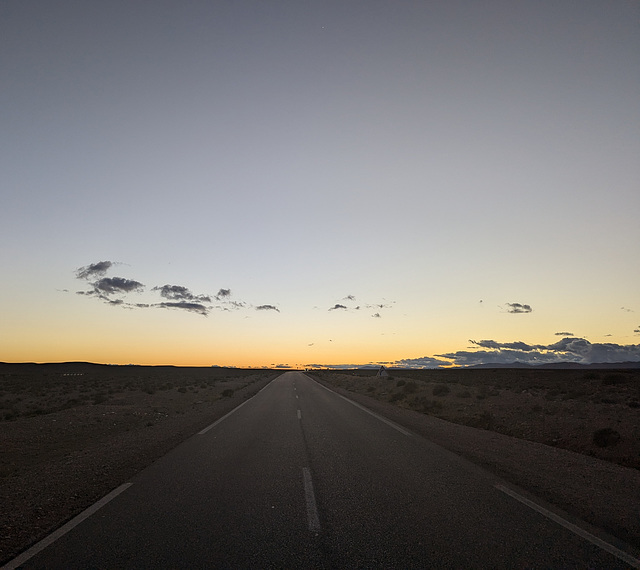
{"x": 633, "y": 562}
{"x": 385, "y": 420}
{"x": 214, "y": 424}
{"x": 299, "y": 415}
{"x": 312, "y": 509}
{"x": 64, "y": 529}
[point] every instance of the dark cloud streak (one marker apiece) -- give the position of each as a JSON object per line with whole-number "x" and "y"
{"x": 93, "y": 270}
{"x": 191, "y": 307}
{"x": 180, "y": 293}
{"x": 111, "y": 285}
{"x": 518, "y": 308}
{"x": 267, "y": 308}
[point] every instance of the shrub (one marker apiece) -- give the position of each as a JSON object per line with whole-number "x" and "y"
{"x": 441, "y": 390}
{"x": 410, "y": 387}
{"x": 464, "y": 394}
{"x": 401, "y": 383}
{"x": 613, "y": 379}
{"x": 397, "y": 396}
{"x": 431, "y": 406}
{"x": 606, "y": 437}
{"x": 485, "y": 420}
{"x": 227, "y": 393}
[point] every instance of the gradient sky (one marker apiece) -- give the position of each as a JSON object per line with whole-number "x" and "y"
{"x": 355, "y": 181}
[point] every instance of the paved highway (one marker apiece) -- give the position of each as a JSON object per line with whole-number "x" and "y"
{"x": 300, "y": 477}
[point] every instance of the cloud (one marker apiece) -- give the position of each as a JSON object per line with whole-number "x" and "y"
{"x": 180, "y": 293}
{"x": 626, "y": 310}
{"x": 422, "y": 362}
{"x": 337, "y": 306}
{"x": 376, "y": 316}
{"x": 349, "y": 298}
{"x": 509, "y": 345}
{"x": 267, "y": 308}
{"x": 185, "y": 306}
{"x": 518, "y": 308}
{"x": 223, "y": 294}
{"x": 564, "y": 334}
{"x": 111, "y": 285}
{"x": 93, "y": 270}
{"x": 379, "y": 306}
{"x": 569, "y": 349}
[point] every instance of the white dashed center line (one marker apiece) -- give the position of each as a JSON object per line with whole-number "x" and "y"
{"x": 312, "y": 509}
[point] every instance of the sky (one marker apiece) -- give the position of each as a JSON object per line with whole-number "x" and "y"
{"x": 295, "y": 183}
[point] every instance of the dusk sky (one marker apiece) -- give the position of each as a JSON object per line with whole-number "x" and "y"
{"x": 260, "y": 183}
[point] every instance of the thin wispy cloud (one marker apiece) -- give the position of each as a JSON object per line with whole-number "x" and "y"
{"x": 180, "y": 293}
{"x": 518, "y": 308}
{"x": 510, "y": 345}
{"x": 267, "y": 308}
{"x": 564, "y": 334}
{"x": 93, "y": 270}
{"x": 347, "y": 304}
{"x": 185, "y": 306}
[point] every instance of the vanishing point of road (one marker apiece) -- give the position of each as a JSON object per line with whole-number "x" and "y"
{"x": 300, "y": 477}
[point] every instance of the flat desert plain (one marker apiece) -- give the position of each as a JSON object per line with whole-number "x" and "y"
{"x": 73, "y": 432}
{"x": 595, "y": 412}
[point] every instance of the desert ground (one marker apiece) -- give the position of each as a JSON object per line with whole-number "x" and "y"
{"x": 73, "y": 432}
{"x": 593, "y": 412}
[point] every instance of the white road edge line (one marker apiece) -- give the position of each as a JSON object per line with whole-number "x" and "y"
{"x": 312, "y": 509}
{"x": 64, "y": 529}
{"x": 385, "y": 420}
{"x": 214, "y": 424}
{"x": 633, "y": 562}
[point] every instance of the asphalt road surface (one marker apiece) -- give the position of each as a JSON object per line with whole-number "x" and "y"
{"x": 300, "y": 477}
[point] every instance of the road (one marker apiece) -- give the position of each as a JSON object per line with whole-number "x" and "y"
{"x": 300, "y": 477}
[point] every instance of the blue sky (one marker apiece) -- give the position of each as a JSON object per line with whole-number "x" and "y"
{"x": 440, "y": 162}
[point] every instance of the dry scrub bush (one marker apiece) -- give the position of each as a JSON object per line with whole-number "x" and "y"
{"x": 606, "y": 437}
{"x": 440, "y": 390}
